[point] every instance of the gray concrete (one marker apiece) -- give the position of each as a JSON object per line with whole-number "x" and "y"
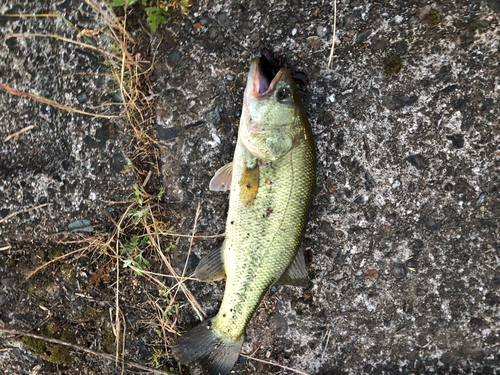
{"x": 408, "y": 180}
{"x": 68, "y": 164}
{"x": 408, "y": 176}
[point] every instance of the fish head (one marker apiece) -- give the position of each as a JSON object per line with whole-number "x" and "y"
{"x": 273, "y": 116}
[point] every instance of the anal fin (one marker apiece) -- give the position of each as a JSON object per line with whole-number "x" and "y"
{"x": 296, "y": 273}
{"x": 211, "y": 267}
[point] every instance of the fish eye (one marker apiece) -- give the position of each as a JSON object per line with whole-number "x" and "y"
{"x": 284, "y": 95}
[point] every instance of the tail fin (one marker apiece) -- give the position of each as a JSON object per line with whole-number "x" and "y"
{"x": 202, "y": 344}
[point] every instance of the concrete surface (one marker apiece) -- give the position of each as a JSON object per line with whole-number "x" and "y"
{"x": 404, "y": 233}
{"x": 403, "y": 242}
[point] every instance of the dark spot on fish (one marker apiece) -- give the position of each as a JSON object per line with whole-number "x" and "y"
{"x": 232, "y": 222}
{"x": 223, "y": 315}
{"x": 248, "y": 234}
{"x": 269, "y": 211}
{"x": 249, "y": 186}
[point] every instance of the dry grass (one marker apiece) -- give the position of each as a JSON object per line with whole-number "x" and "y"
{"x": 332, "y": 50}
{"x": 52, "y": 103}
{"x": 21, "y": 211}
{"x": 143, "y": 230}
{"x": 275, "y": 364}
{"x": 82, "y": 349}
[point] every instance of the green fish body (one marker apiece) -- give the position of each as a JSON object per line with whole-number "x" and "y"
{"x": 271, "y": 182}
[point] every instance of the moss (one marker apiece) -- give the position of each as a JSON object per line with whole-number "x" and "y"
{"x": 56, "y": 253}
{"x": 58, "y": 354}
{"x": 38, "y": 286}
{"x": 90, "y": 314}
{"x": 109, "y": 341}
{"x": 431, "y": 18}
{"x": 41, "y": 255}
{"x": 68, "y": 273}
{"x": 392, "y": 66}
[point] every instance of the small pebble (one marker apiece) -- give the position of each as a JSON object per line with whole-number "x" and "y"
{"x": 314, "y": 41}
{"x": 321, "y": 31}
{"x": 204, "y": 21}
{"x": 399, "y": 269}
{"x": 82, "y": 98}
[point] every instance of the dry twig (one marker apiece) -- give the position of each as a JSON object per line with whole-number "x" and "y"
{"x": 20, "y": 212}
{"x": 84, "y": 349}
{"x": 275, "y": 364}
{"x": 55, "y": 36}
{"x": 334, "y": 30}
{"x": 9, "y": 137}
{"x": 32, "y": 15}
{"x": 7, "y": 247}
{"x": 41, "y": 99}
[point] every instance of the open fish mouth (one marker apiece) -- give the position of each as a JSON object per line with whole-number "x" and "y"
{"x": 259, "y": 83}
{"x": 266, "y": 72}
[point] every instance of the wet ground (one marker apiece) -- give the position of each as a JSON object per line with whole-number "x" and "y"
{"x": 403, "y": 243}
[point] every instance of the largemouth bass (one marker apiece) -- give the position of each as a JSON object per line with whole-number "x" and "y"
{"x": 271, "y": 181}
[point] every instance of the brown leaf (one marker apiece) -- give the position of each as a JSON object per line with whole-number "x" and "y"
{"x": 316, "y": 12}
{"x": 372, "y": 274}
{"x": 198, "y": 25}
{"x": 101, "y": 275}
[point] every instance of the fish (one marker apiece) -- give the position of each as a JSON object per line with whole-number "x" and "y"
{"x": 271, "y": 181}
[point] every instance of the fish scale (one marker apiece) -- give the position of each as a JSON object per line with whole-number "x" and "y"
{"x": 261, "y": 244}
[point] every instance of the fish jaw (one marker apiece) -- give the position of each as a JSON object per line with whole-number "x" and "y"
{"x": 265, "y": 123}
{"x": 258, "y": 84}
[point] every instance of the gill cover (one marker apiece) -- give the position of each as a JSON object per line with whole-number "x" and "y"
{"x": 270, "y": 120}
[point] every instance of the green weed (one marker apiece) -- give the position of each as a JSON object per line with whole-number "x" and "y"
{"x": 133, "y": 250}
{"x": 156, "y": 13}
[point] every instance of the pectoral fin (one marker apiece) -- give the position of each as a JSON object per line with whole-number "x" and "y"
{"x": 249, "y": 184}
{"x": 222, "y": 178}
{"x": 296, "y": 273}
{"x": 211, "y": 267}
